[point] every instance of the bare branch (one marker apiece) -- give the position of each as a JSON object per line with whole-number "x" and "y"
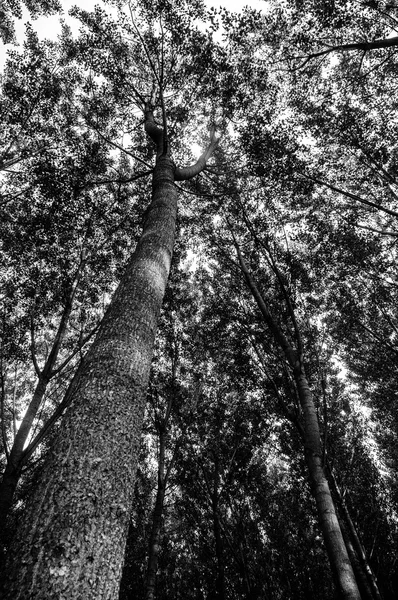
{"x": 33, "y": 347}
{"x": 350, "y": 195}
{"x": 118, "y": 181}
{"x": 115, "y": 145}
{"x": 54, "y": 417}
{"x": 3, "y": 425}
{"x": 364, "y": 46}
{"x": 181, "y": 174}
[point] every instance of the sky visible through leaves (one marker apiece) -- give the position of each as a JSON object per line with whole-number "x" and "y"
{"x": 49, "y": 27}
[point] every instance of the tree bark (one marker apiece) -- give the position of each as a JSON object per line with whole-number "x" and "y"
{"x": 337, "y": 552}
{"x": 366, "y": 592}
{"x": 16, "y": 459}
{"x": 157, "y": 521}
{"x": 71, "y": 540}
{"x": 220, "y": 581}
{"x": 352, "y": 535}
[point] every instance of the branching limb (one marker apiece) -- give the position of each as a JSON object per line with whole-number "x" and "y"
{"x": 118, "y": 181}
{"x": 181, "y": 174}
{"x": 152, "y": 129}
{"x": 289, "y": 414}
{"x": 276, "y": 331}
{"x": 115, "y": 145}
{"x": 159, "y": 79}
{"x": 81, "y": 345}
{"x": 364, "y": 46}
{"x": 373, "y": 229}
{"x": 272, "y": 263}
{"x": 350, "y": 195}
{"x": 33, "y": 347}
{"x": 3, "y": 425}
{"x": 54, "y": 417}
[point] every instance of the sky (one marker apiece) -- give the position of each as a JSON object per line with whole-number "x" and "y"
{"x": 49, "y": 27}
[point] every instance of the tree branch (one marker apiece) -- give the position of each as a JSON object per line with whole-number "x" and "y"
{"x": 115, "y": 145}
{"x": 350, "y": 195}
{"x": 33, "y": 347}
{"x": 3, "y": 425}
{"x": 181, "y": 174}
{"x": 54, "y": 417}
{"x": 363, "y": 46}
{"x": 278, "y": 334}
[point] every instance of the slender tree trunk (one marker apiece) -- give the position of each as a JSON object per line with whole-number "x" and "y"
{"x": 364, "y": 588}
{"x": 156, "y": 522}
{"x": 12, "y": 471}
{"x": 334, "y": 541}
{"x": 356, "y": 543}
{"x": 16, "y": 459}
{"x": 220, "y": 582}
{"x": 71, "y": 539}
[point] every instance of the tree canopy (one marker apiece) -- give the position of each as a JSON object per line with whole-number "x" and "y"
{"x": 198, "y": 247}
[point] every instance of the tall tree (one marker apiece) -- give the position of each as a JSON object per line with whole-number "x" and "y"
{"x": 81, "y": 505}
{"x": 56, "y": 233}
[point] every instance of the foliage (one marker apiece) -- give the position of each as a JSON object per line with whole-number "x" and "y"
{"x": 303, "y": 184}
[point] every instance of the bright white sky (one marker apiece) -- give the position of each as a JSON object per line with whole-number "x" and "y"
{"x": 49, "y": 27}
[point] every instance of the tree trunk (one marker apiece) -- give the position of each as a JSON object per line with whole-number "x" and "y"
{"x": 220, "y": 581}
{"x": 12, "y": 472}
{"x": 71, "y": 539}
{"x": 334, "y": 542}
{"x": 364, "y": 588}
{"x": 356, "y": 543}
{"x": 17, "y": 457}
{"x": 156, "y": 522}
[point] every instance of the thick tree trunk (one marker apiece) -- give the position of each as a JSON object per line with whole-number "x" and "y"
{"x": 71, "y": 540}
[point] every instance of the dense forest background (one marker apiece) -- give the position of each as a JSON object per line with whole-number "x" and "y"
{"x": 249, "y": 450}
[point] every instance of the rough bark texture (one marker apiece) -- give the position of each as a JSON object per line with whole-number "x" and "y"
{"x": 71, "y": 542}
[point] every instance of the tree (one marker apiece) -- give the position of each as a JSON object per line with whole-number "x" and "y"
{"x": 86, "y": 485}
{"x": 60, "y": 239}
{"x": 288, "y": 248}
